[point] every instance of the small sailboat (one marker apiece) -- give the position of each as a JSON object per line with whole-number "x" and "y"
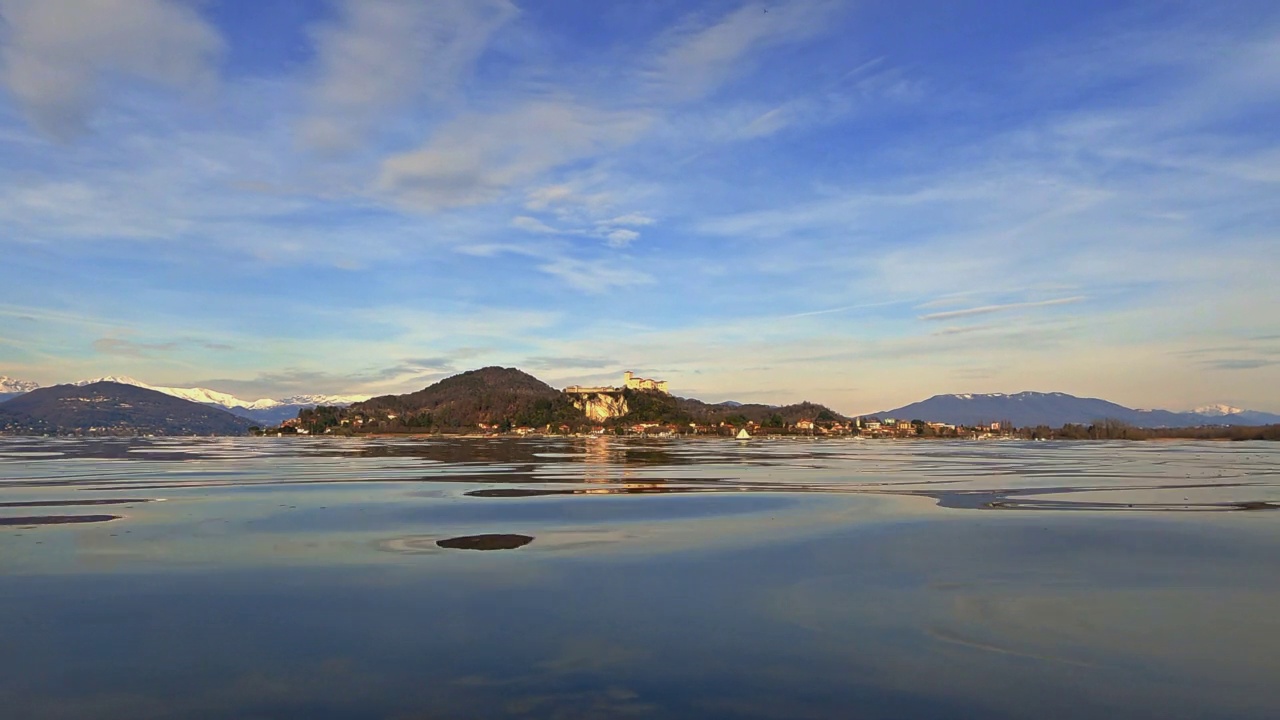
{"x": 743, "y": 434}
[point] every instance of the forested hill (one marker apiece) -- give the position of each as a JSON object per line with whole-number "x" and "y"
{"x": 110, "y": 408}
{"x": 766, "y": 415}
{"x": 491, "y": 395}
{"x": 506, "y": 398}
{"x": 657, "y": 407}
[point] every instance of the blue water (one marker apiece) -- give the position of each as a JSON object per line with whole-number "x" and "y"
{"x": 306, "y": 578}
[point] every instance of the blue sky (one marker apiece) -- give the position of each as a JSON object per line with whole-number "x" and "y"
{"x": 862, "y": 203}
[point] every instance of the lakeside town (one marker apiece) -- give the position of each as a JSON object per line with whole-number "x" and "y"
{"x": 645, "y": 408}
{"x": 497, "y": 401}
{"x": 637, "y": 406}
{"x": 866, "y": 427}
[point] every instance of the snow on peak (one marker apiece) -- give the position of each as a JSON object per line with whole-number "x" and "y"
{"x": 122, "y": 379}
{"x": 323, "y": 399}
{"x": 213, "y": 397}
{"x": 14, "y": 385}
{"x": 1217, "y": 410}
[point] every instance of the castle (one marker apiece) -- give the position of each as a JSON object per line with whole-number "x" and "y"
{"x": 602, "y": 403}
{"x": 631, "y": 382}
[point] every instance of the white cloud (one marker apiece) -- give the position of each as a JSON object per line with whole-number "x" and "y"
{"x": 544, "y": 197}
{"x": 477, "y": 158}
{"x": 594, "y": 276}
{"x": 988, "y": 309}
{"x": 628, "y": 220}
{"x": 534, "y": 225}
{"x": 58, "y": 54}
{"x": 621, "y": 238}
{"x": 698, "y": 57}
{"x": 384, "y": 55}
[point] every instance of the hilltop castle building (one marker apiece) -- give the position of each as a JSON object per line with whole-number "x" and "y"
{"x": 602, "y": 403}
{"x": 631, "y": 382}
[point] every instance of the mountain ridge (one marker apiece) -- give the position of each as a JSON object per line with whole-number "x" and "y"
{"x": 111, "y": 408}
{"x": 1054, "y": 409}
{"x": 1022, "y": 408}
{"x": 215, "y": 397}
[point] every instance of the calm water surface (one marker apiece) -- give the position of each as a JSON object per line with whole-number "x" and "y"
{"x": 607, "y": 578}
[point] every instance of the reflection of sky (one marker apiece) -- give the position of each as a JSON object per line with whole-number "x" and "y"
{"x": 797, "y": 589}
{"x": 937, "y": 619}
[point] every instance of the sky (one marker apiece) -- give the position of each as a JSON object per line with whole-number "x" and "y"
{"x": 857, "y": 203}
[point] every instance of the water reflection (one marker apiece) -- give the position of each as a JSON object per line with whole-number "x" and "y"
{"x": 682, "y": 579}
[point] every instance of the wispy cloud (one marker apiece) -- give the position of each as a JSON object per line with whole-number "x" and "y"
{"x": 989, "y": 309}
{"x": 381, "y": 56}
{"x": 478, "y": 158}
{"x": 128, "y": 348}
{"x": 628, "y": 220}
{"x": 841, "y": 309}
{"x": 595, "y": 276}
{"x": 544, "y": 362}
{"x": 964, "y": 329}
{"x": 700, "y": 56}
{"x": 534, "y": 225}
{"x": 59, "y": 56}
{"x": 124, "y": 347}
{"x": 1238, "y": 364}
{"x": 621, "y": 237}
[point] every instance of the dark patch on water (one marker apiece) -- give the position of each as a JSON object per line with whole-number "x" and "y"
{"x": 485, "y": 542}
{"x": 72, "y": 503}
{"x": 32, "y": 520}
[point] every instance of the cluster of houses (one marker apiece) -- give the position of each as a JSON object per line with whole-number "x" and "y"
{"x": 871, "y": 427}
{"x": 891, "y": 427}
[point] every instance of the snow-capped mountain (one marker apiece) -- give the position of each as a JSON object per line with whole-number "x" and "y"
{"x": 322, "y": 399}
{"x": 200, "y": 395}
{"x": 265, "y": 410}
{"x": 10, "y": 385}
{"x": 1217, "y": 410}
{"x": 1056, "y": 409}
{"x": 213, "y": 397}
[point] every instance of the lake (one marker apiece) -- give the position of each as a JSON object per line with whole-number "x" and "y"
{"x": 416, "y": 579}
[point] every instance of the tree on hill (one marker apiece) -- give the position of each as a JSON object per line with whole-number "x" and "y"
{"x": 645, "y": 406}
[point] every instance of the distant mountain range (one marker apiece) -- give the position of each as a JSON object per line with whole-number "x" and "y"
{"x": 1055, "y": 409}
{"x": 492, "y": 395}
{"x": 264, "y": 411}
{"x": 111, "y": 408}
